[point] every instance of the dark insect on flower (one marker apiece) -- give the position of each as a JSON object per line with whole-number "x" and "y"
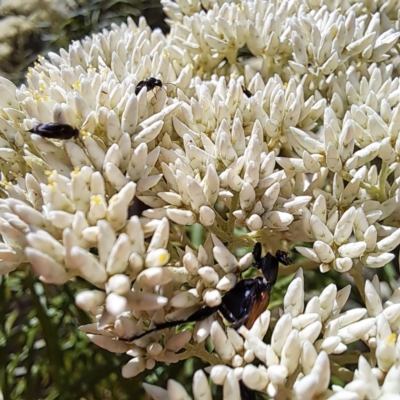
{"x": 246, "y": 91}
{"x": 54, "y": 130}
{"x": 149, "y": 83}
{"x": 243, "y": 304}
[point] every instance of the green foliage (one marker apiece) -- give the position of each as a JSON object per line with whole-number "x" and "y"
{"x": 43, "y": 355}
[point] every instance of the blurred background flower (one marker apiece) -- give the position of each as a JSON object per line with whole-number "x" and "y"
{"x": 29, "y": 28}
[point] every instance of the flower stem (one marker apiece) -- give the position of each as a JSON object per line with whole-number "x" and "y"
{"x": 200, "y": 352}
{"x": 356, "y": 274}
{"x": 382, "y": 182}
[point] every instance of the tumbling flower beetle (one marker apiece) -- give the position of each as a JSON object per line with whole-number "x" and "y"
{"x": 53, "y": 130}
{"x": 246, "y": 91}
{"x": 243, "y": 304}
{"x": 149, "y": 83}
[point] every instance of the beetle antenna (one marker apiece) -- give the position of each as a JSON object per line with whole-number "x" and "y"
{"x": 198, "y": 315}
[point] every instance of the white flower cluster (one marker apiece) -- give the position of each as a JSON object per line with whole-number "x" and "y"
{"x": 311, "y": 156}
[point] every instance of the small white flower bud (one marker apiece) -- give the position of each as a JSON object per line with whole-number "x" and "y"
{"x": 291, "y": 351}
{"x": 236, "y": 340}
{"x": 372, "y": 300}
{"x": 352, "y": 250}
{"x": 109, "y": 344}
{"x": 351, "y": 316}
{"x": 260, "y": 326}
{"x": 219, "y": 373}
{"x": 332, "y": 221}
{"x": 154, "y": 276}
{"x": 44, "y": 242}
{"x": 322, "y": 370}
{"x": 155, "y": 392}
{"x": 343, "y": 264}
{"x": 178, "y": 341}
{"x": 308, "y": 253}
{"x": 181, "y": 217}
{"x": 249, "y": 356}
{"x": 313, "y": 306}
{"x": 356, "y": 331}
{"x": 329, "y": 344}
{"x": 191, "y": 263}
{"x": 61, "y": 219}
{"x": 306, "y": 386}
{"x": 209, "y": 276}
{"x": 88, "y": 266}
{"x": 119, "y": 284}
{"x": 202, "y": 329}
{"x": 150, "y": 363}
{"x": 390, "y": 242}
{"x": 206, "y": 216}
{"x": 304, "y": 320}
{"x": 247, "y": 196}
{"x": 366, "y": 375}
{"x": 308, "y": 356}
{"x": 390, "y": 385}
{"x": 118, "y": 259}
{"x": 90, "y": 299}
{"x": 224, "y": 257}
{"x": 320, "y": 230}
{"x": 148, "y": 134}
{"x": 270, "y": 196}
{"x": 196, "y": 194}
{"x": 376, "y": 260}
{"x": 319, "y": 208}
{"x": 212, "y": 298}
{"x": 392, "y": 313}
{"x": 254, "y": 222}
{"x": 117, "y": 210}
{"x": 222, "y": 345}
{"x": 231, "y": 389}
{"x": 323, "y": 251}
{"x": 245, "y": 261}
{"x": 258, "y": 347}
{"x": 277, "y": 219}
{"x": 281, "y": 331}
{"x": 116, "y": 304}
{"x": 370, "y": 237}
{"x": 157, "y": 258}
{"x": 345, "y": 226}
{"x": 184, "y": 299}
{"x": 311, "y": 332}
{"x": 133, "y": 367}
{"x": 333, "y": 160}
{"x": 227, "y": 282}
{"x": 294, "y": 297}
{"x": 253, "y": 379}
{"x": 386, "y": 152}
{"x": 237, "y": 361}
{"x": 134, "y": 230}
{"x": 201, "y": 388}
{"x": 277, "y": 374}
